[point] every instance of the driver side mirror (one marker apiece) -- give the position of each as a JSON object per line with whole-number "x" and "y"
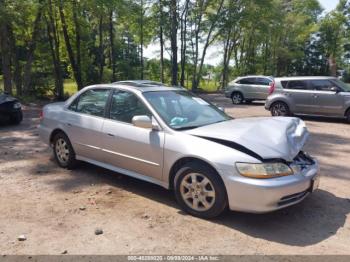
{"x": 144, "y": 122}
{"x": 334, "y": 89}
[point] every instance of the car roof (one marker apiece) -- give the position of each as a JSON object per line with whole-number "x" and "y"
{"x": 304, "y": 78}
{"x": 139, "y": 85}
{"x": 247, "y": 76}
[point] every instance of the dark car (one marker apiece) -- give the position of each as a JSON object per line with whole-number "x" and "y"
{"x": 10, "y": 109}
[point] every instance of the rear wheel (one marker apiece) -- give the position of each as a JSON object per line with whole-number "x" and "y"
{"x": 63, "y": 151}
{"x": 279, "y": 109}
{"x": 237, "y": 98}
{"x": 199, "y": 191}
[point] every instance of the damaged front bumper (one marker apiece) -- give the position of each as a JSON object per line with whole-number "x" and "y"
{"x": 265, "y": 195}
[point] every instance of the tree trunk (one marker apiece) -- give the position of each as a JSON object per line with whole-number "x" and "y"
{"x": 111, "y": 39}
{"x": 5, "y": 57}
{"x": 208, "y": 41}
{"x": 77, "y": 42}
{"x": 141, "y": 40}
{"x": 183, "y": 43}
{"x": 76, "y": 72}
{"x": 55, "y": 52}
{"x": 32, "y": 45}
{"x": 161, "y": 40}
{"x": 173, "y": 39}
{"x": 17, "y": 74}
{"x": 101, "y": 48}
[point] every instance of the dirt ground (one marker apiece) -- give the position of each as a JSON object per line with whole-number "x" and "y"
{"x": 58, "y": 210}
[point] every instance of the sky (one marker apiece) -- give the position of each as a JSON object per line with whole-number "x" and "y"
{"x": 212, "y": 57}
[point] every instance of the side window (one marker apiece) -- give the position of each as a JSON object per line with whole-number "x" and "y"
{"x": 125, "y": 105}
{"x": 300, "y": 85}
{"x": 247, "y": 81}
{"x": 321, "y": 85}
{"x": 92, "y": 102}
{"x": 263, "y": 81}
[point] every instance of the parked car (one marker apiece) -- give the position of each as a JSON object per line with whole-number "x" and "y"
{"x": 10, "y": 109}
{"x": 326, "y": 96}
{"x": 170, "y": 137}
{"x": 248, "y": 88}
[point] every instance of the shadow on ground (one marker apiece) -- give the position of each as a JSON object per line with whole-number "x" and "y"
{"x": 310, "y": 222}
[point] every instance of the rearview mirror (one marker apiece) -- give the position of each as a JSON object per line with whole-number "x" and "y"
{"x": 221, "y": 108}
{"x": 145, "y": 122}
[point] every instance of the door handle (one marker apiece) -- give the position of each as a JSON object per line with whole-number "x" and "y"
{"x": 68, "y": 124}
{"x": 109, "y": 134}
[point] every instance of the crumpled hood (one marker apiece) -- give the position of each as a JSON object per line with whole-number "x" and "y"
{"x": 269, "y": 137}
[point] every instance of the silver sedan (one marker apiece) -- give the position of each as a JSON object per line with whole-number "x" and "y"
{"x": 170, "y": 137}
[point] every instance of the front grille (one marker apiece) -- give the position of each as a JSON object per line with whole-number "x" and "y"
{"x": 292, "y": 198}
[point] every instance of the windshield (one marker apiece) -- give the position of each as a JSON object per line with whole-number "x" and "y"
{"x": 182, "y": 110}
{"x": 345, "y": 87}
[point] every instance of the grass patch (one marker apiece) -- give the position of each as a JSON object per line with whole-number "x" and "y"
{"x": 70, "y": 87}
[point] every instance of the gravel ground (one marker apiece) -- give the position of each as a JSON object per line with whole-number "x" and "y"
{"x": 58, "y": 211}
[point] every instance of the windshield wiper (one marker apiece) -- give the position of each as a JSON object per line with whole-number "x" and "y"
{"x": 186, "y": 128}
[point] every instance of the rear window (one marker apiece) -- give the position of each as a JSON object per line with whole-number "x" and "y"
{"x": 295, "y": 84}
{"x": 263, "y": 81}
{"x": 247, "y": 81}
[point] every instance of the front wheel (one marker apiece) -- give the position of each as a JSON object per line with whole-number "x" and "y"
{"x": 63, "y": 151}
{"x": 199, "y": 191}
{"x": 279, "y": 109}
{"x": 237, "y": 98}
{"x": 347, "y": 115}
{"x": 16, "y": 118}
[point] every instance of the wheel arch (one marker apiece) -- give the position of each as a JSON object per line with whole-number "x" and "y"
{"x": 347, "y": 111}
{"x": 237, "y": 91}
{"x": 55, "y": 132}
{"x": 281, "y": 100}
{"x": 184, "y": 160}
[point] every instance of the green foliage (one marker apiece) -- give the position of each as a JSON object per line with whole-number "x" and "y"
{"x": 271, "y": 37}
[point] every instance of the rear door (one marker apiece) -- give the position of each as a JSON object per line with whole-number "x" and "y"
{"x": 83, "y": 122}
{"x": 299, "y": 94}
{"x": 261, "y": 87}
{"x": 326, "y": 100}
{"x": 247, "y": 86}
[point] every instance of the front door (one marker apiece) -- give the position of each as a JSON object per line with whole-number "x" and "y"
{"x": 326, "y": 99}
{"x": 129, "y": 147}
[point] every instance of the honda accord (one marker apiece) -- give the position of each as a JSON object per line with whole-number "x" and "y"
{"x": 173, "y": 138}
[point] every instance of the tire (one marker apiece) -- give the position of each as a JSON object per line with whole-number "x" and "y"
{"x": 208, "y": 190}
{"x": 279, "y": 109}
{"x": 63, "y": 151}
{"x": 237, "y": 98}
{"x": 16, "y": 118}
{"x": 347, "y": 115}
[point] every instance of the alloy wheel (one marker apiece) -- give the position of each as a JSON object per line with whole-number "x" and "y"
{"x": 237, "y": 98}
{"x": 279, "y": 109}
{"x": 197, "y": 191}
{"x": 62, "y": 151}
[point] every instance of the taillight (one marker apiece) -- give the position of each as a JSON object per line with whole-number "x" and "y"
{"x": 272, "y": 87}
